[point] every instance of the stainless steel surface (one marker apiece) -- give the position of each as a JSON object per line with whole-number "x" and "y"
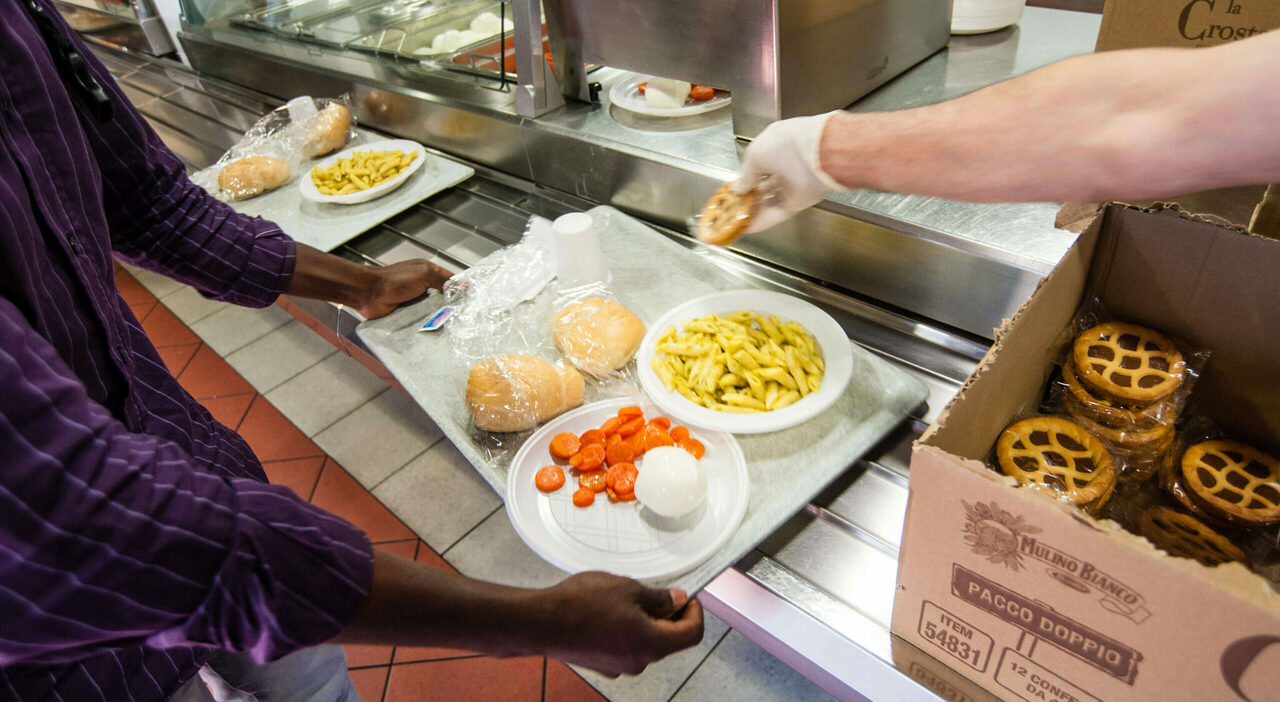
{"x": 817, "y": 592}
{"x": 140, "y": 27}
{"x": 775, "y": 57}
{"x": 967, "y": 266}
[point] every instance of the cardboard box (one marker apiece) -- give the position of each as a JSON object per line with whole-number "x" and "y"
{"x": 1030, "y": 598}
{"x": 1130, "y": 24}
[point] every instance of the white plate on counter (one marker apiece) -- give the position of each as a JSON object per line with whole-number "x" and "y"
{"x": 626, "y": 94}
{"x": 831, "y": 340}
{"x": 623, "y": 537}
{"x": 310, "y": 192}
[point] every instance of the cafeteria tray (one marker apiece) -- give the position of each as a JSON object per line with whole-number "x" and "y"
{"x": 652, "y": 274}
{"x": 328, "y": 226}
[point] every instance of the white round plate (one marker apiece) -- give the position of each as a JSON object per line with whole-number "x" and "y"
{"x": 623, "y": 537}
{"x": 626, "y": 94}
{"x": 831, "y": 340}
{"x": 309, "y": 189}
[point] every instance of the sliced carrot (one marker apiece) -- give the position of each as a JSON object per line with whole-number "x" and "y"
{"x": 592, "y": 457}
{"x": 630, "y": 412}
{"x": 632, "y": 426}
{"x": 661, "y": 422}
{"x": 549, "y": 478}
{"x": 654, "y": 437}
{"x": 584, "y": 497}
{"x": 701, "y": 92}
{"x": 613, "y": 496}
{"x": 693, "y": 446}
{"x": 592, "y": 436}
{"x": 618, "y": 452}
{"x": 621, "y": 478}
{"x": 610, "y": 425}
{"x": 593, "y": 480}
{"x": 613, "y": 439}
{"x": 565, "y": 445}
{"x": 638, "y": 446}
{"x": 679, "y": 433}
{"x": 642, "y": 87}
{"x": 576, "y": 460}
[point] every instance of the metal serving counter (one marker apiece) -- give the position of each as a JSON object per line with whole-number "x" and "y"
{"x": 918, "y": 280}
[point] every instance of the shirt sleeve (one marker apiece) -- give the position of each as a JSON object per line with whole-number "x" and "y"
{"x": 110, "y": 538}
{"x": 162, "y": 221}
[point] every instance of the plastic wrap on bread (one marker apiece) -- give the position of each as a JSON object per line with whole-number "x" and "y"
{"x": 290, "y": 135}
{"x": 596, "y": 335}
{"x": 513, "y": 392}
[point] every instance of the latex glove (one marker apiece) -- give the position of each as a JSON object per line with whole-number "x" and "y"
{"x": 616, "y": 626}
{"x": 786, "y": 152}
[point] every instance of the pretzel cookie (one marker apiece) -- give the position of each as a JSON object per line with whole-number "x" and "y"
{"x": 726, "y": 215}
{"x": 1234, "y": 479}
{"x": 1128, "y": 363}
{"x": 1060, "y": 455}
{"x": 1185, "y": 536}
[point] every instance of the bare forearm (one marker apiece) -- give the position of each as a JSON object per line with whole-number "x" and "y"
{"x": 415, "y": 605}
{"x": 1137, "y": 124}
{"x": 324, "y": 276}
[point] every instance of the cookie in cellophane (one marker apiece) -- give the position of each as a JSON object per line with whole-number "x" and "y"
{"x": 1233, "y": 480}
{"x": 726, "y": 215}
{"x": 1180, "y": 534}
{"x": 1127, "y": 363}
{"x": 1059, "y": 456}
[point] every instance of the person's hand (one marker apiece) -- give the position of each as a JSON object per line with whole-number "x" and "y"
{"x": 399, "y": 283}
{"x": 617, "y": 626}
{"x": 784, "y": 159}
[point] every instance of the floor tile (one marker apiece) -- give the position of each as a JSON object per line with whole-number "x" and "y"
{"x": 493, "y": 551}
{"x": 370, "y": 683}
{"x": 279, "y": 355}
{"x": 660, "y": 680}
{"x": 299, "y": 475}
{"x": 739, "y": 669}
{"x": 232, "y": 327}
{"x": 439, "y": 495}
{"x": 159, "y": 285}
{"x": 364, "y": 656}
{"x": 207, "y": 375}
{"x": 471, "y": 679}
{"x": 272, "y": 437}
{"x": 229, "y": 409}
{"x": 176, "y": 357}
{"x": 131, "y": 290}
{"x": 402, "y": 429}
{"x": 326, "y": 392}
{"x": 140, "y": 310}
{"x": 404, "y": 549}
{"x": 427, "y": 555}
{"x": 164, "y": 329}
{"x": 564, "y": 685}
{"x": 339, "y": 493}
{"x": 189, "y": 305}
{"x": 418, "y": 654}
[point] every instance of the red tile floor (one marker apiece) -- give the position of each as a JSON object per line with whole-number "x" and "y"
{"x": 389, "y": 674}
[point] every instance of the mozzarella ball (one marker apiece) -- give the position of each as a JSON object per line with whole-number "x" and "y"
{"x": 670, "y": 482}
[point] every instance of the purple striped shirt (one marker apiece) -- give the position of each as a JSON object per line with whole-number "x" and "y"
{"x": 136, "y": 532}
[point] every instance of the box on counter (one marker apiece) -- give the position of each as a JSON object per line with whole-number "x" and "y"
{"x": 1032, "y": 599}
{"x": 1130, "y": 24}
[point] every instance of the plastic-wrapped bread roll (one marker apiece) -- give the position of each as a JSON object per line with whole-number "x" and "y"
{"x": 252, "y": 175}
{"x": 514, "y": 392}
{"x": 597, "y": 335}
{"x": 328, "y": 133}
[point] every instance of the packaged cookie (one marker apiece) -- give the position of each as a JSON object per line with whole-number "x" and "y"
{"x": 1127, "y": 384}
{"x": 1058, "y": 456}
{"x": 1180, "y": 534}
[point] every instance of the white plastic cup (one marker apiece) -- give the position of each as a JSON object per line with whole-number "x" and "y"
{"x": 579, "y": 258}
{"x": 982, "y": 16}
{"x": 301, "y": 108}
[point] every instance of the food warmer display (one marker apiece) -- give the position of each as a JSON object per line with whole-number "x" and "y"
{"x": 918, "y": 281}
{"x": 132, "y": 24}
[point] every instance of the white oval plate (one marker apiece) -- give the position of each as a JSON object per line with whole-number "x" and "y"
{"x": 831, "y": 340}
{"x": 309, "y": 191}
{"x": 623, "y": 537}
{"x": 626, "y": 94}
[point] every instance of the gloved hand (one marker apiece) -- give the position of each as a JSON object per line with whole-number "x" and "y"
{"x": 786, "y": 155}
